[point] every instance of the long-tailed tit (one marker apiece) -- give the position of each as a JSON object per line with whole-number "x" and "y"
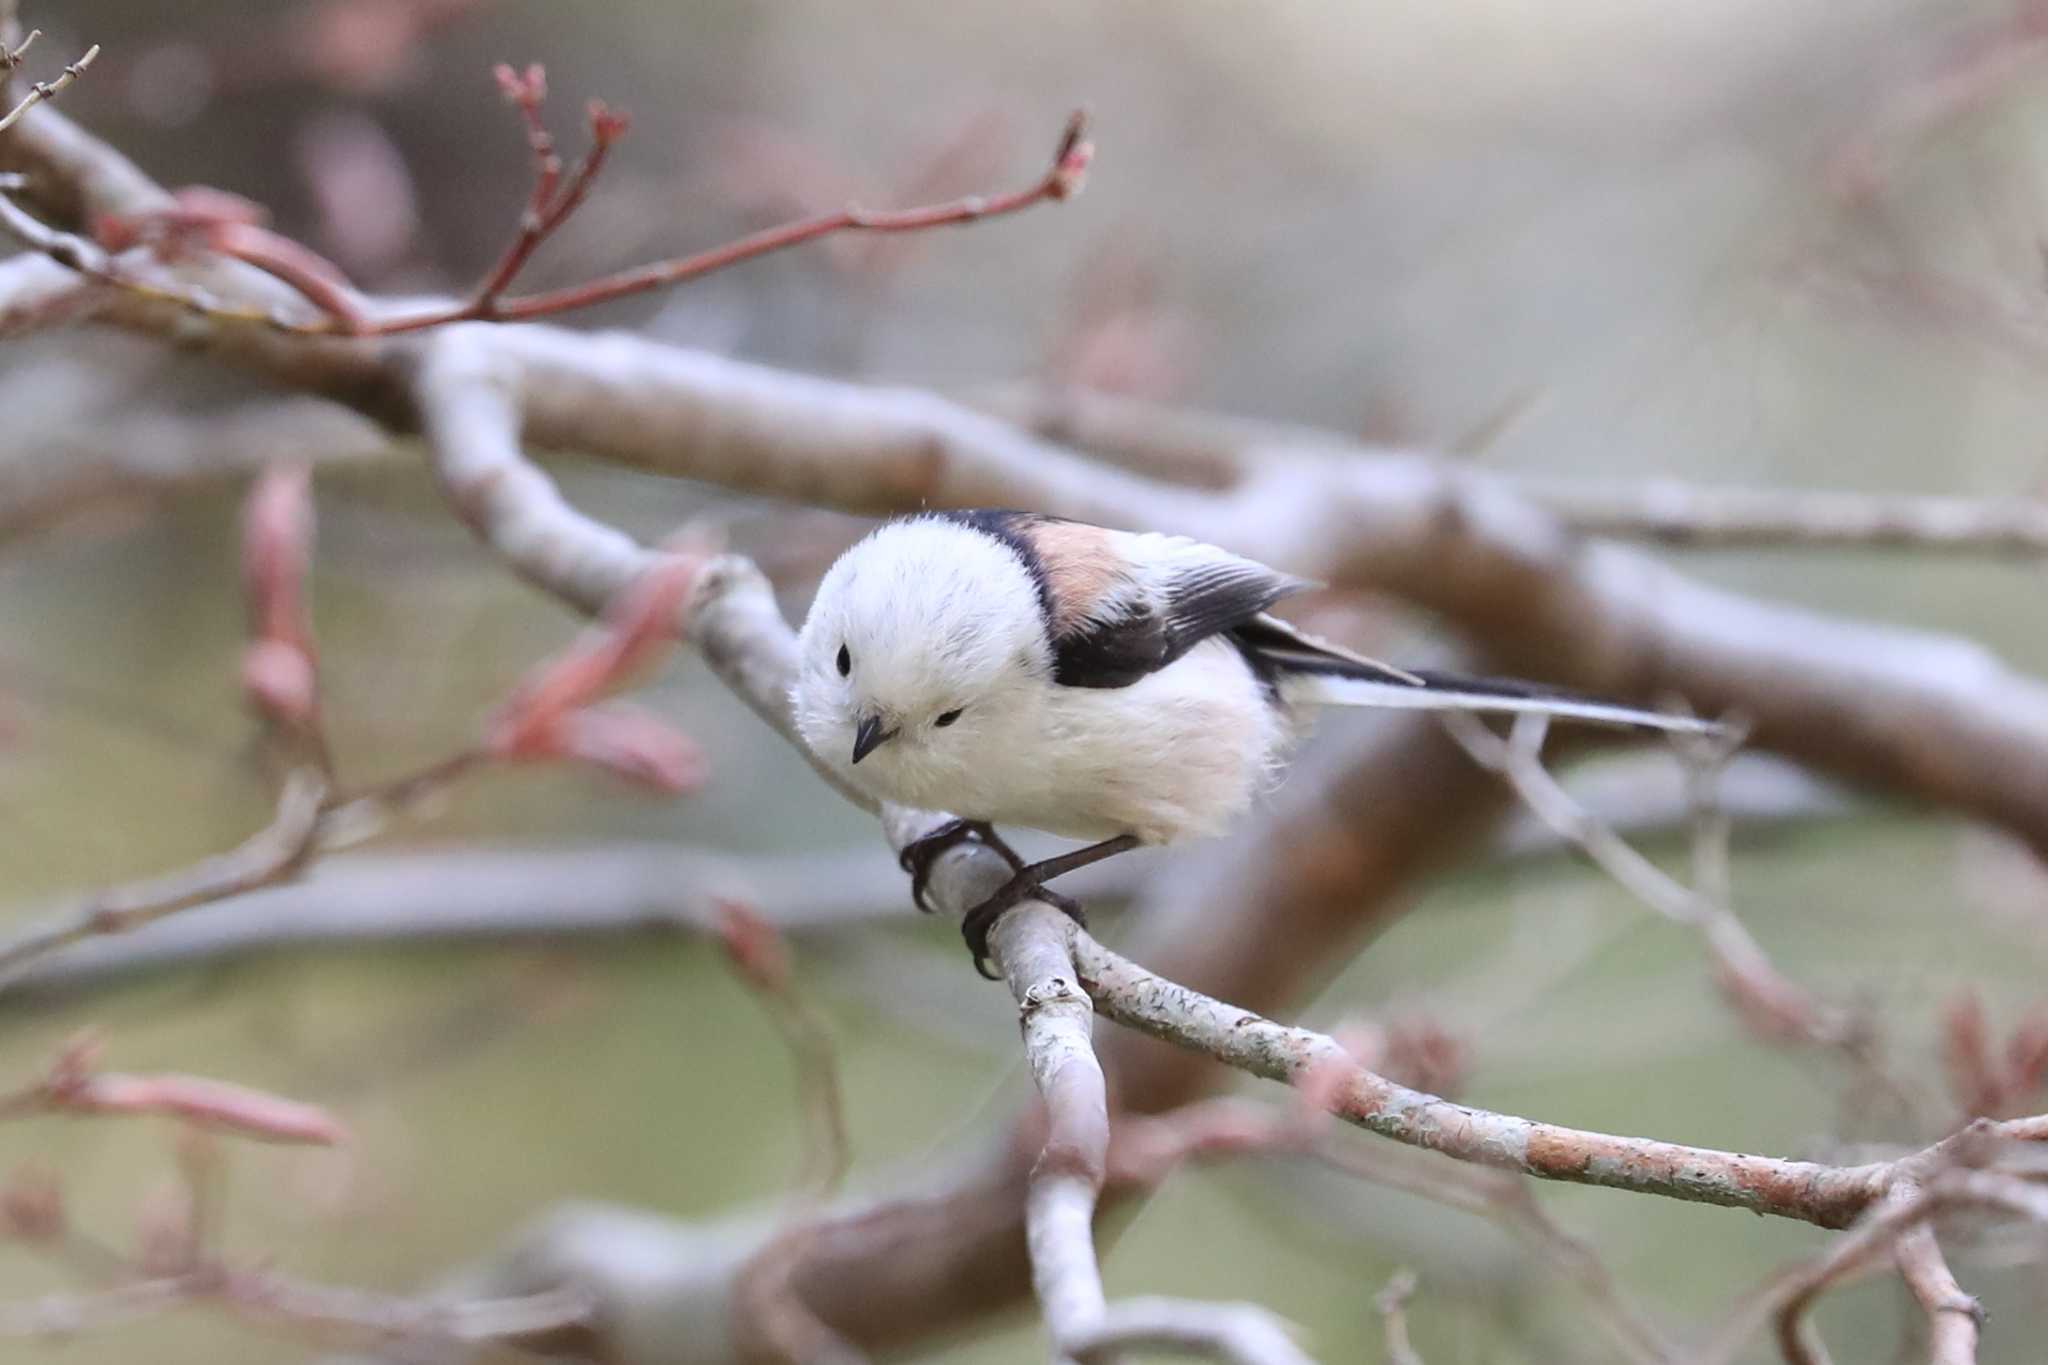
{"x": 1103, "y": 685}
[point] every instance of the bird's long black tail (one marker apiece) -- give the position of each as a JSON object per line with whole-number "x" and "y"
{"x": 1339, "y": 683}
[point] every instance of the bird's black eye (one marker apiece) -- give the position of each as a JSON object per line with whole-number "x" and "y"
{"x": 845, "y": 662}
{"x": 946, "y": 718}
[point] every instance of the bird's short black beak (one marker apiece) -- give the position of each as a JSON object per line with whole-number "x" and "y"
{"x": 869, "y": 737}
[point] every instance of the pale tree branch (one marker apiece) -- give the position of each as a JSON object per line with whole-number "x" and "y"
{"x": 498, "y": 893}
{"x": 1210, "y": 451}
{"x": 1032, "y": 951}
{"x": 612, "y": 889}
{"x": 1954, "y": 1318}
{"x": 1391, "y": 1304}
{"x": 157, "y": 452}
{"x": 1831, "y": 1196}
{"x": 1697, "y": 517}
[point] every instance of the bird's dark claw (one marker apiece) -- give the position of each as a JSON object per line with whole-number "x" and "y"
{"x": 918, "y": 856}
{"x": 982, "y": 918}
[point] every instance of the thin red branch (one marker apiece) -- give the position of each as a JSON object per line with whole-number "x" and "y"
{"x": 549, "y": 204}
{"x": 71, "y": 1085}
{"x": 1061, "y": 181}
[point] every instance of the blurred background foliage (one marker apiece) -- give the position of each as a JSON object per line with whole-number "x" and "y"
{"x": 1793, "y": 242}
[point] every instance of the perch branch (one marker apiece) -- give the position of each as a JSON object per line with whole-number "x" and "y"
{"x": 1032, "y": 951}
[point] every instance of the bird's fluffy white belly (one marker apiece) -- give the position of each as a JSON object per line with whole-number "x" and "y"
{"x": 1178, "y": 754}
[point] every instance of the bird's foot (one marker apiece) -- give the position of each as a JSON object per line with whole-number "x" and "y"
{"x": 919, "y": 856}
{"x": 982, "y": 918}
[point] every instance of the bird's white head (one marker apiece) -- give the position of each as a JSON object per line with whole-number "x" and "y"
{"x": 925, "y": 647}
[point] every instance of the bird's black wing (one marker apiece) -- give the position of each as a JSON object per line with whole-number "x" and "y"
{"x": 1159, "y": 617}
{"x": 1273, "y": 647}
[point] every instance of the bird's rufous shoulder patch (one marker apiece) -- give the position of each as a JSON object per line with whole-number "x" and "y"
{"x": 1082, "y": 567}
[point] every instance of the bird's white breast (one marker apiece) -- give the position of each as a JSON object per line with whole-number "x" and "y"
{"x": 1176, "y": 755}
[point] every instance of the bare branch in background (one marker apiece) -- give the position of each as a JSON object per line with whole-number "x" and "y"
{"x": 1786, "y": 1298}
{"x": 1209, "y": 451}
{"x": 270, "y": 855}
{"x": 40, "y": 91}
{"x": 501, "y": 893}
{"x": 75, "y": 1086}
{"x": 1391, "y": 1304}
{"x": 765, "y": 1301}
{"x": 1507, "y": 1199}
{"x": 197, "y": 223}
{"x": 320, "y": 1312}
{"x": 1954, "y": 1318}
{"x": 759, "y": 955}
{"x": 1697, "y": 517}
{"x": 553, "y": 715}
{"x": 141, "y": 454}
{"x": 1766, "y": 999}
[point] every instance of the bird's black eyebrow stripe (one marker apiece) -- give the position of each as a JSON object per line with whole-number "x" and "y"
{"x": 1006, "y": 528}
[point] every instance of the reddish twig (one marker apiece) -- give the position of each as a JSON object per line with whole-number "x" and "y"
{"x": 759, "y": 954}
{"x": 549, "y": 204}
{"x": 280, "y": 664}
{"x": 549, "y": 717}
{"x": 545, "y": 209}
{"x": 1988, "y": 1082}
{"x": 1061, "y": 181}
{"x": 71, "y": 1085}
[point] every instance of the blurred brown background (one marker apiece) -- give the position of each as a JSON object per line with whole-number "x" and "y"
{"x": 1795, "y": 243}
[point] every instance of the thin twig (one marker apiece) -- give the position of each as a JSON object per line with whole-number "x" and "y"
{"x": 264, "y": 1296}
{"x": 318, "y": 282}
{"x": 1771, "y": 1002}
{"x": 1061, "y": 181}
{"x": 1954, "y": 1318}
{"x": 41, "y": 91}
{"x": 270, "y": 855}
{"x": 766, "y": 1300}
{"x": 1391, "y": 1304}
{"x": 1785, "y": 1299}
{"x": 1506, "y": 1199}
{"x": 74, "y": 1086}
